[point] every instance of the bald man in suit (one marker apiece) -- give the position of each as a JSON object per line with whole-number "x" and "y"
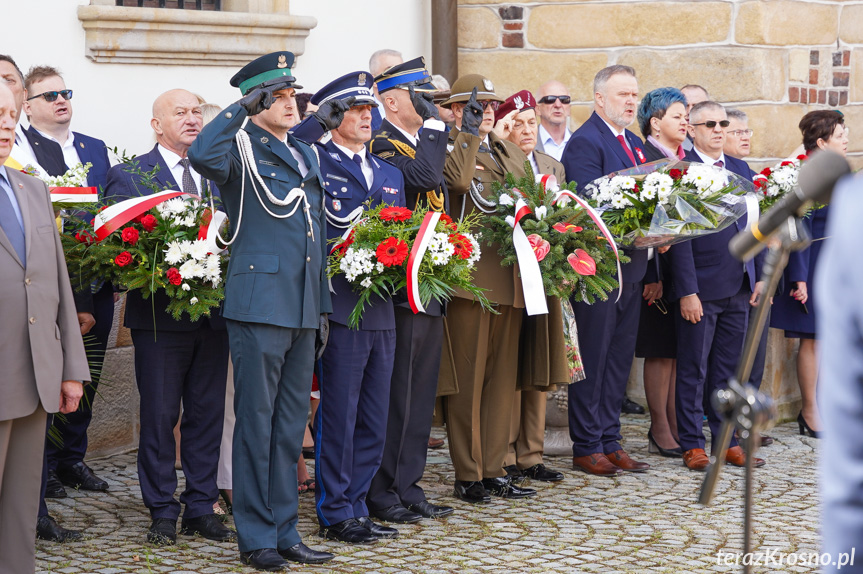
{"x": 41, "y": 349}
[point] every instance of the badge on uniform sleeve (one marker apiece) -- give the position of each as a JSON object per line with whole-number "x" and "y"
{"x": 640, "y": 155}
{"x": 337, "y": 205}
{"x": 391, "y": 190}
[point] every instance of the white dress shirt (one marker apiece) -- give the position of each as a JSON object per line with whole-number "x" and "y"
{"x": 533, "y": 164}
{"x": 549, "y": 146}
{"x": 366, "y": 166}
{"x": 173, "y": 161}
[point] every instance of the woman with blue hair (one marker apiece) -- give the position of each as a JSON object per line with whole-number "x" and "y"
{"x": 662, "y": 118}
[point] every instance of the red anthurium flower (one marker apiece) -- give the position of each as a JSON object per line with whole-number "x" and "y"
{"x": 174, "y": 277}
{"x": 463, "y": 246}
{"x": 582, "y": 262}
{"x": 396, "y": 213}
{"x": 130, "y": 235}
{"x": 148, "y": 222}
{"x": 123, "y": 259}
{"x": 566, "y": 227}
{"x": 540, "y": 246}
{"x": 392, "y": 251}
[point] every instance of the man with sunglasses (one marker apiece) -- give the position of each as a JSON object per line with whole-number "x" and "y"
{"x": 715, "y": 292}
{"x": 479, "y": 376}
{"x": 553, "y": 108}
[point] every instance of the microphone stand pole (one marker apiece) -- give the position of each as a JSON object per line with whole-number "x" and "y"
{"x": 740, "y": 404}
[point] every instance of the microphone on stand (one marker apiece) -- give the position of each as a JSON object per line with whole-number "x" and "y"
{"x": 816, "y": 181}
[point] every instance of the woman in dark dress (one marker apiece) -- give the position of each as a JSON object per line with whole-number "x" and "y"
{"x": 794, "y": 309}
{"x": 662, "y": 118}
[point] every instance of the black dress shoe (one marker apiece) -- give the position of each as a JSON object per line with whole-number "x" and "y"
{"x": 54, "y": 488}
{"x": 398, "y": 514}
{"x": 81, "y": 476}
{"x": 163, "y": 532}
{"x": 630, "y": 407}
{"x": 471, "y": 491}
{"x": 209, "y": 526}
{"x": 503, "y": 487}
{"x": 349, "y": 531}
{"x": 305, "y": 555}
{"x": 542, "y": 473}
{"x": 48, "y": 529}
{"x": 377, "y": 530}
{"x": 513, "y": 472}
{"x": 429, "y": 510}
{"x": 266, "y": 559}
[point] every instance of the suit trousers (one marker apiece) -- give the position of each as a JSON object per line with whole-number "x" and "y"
{"x": 272, "y": 380}
{"x": 607, "y": 332}
{"x": 707, "y": 354}
{"x": 174, "y": 366}
{"x": 413, "y": 388}
{"x": 350, "y": 427}
{"x": 485, "y": 351}
{"x": 22, "y": 441}
{"x": 757, "y": 373}
{"x": 527, "y": 429}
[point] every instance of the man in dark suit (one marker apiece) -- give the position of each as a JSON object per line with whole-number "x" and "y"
{"x": 715, "y": 292}
{"x": 49, "y": 109}
{"x": 600, "y": 146}
{"x": 175, "y": 360}
{"x": 40, "y": 346}
{"x": 395, "y": 494}
{"x": 276, "y": 297}
{"x": 357, "y": 363}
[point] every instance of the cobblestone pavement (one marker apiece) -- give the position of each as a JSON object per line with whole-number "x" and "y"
{"x": 637, "y": 523}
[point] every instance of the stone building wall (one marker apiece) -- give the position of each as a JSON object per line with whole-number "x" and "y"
{"x": 776, "y": 60}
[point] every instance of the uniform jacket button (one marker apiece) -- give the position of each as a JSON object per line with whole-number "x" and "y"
{"x": 251, "y": 267}
{"x": 308, "y": 259}
{"x": 463, "y": 145}
{"x": 308, "y": 233}
{"x": 431, "y": 136}
{"x": 229, "y": 115}
{"x": 273, "y": 175}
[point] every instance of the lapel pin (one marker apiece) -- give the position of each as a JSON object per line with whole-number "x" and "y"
{"x": 81, "y": 144}
{"x": 264, "y": 139}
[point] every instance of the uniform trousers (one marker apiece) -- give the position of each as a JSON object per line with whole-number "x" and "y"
{"x": 607, "y": 333}
{"x": 272, "y": 380}
{"x": 527, "y": 429}
{"x": 225, "y": 477}
{"x": 413, "y": 388}
{"x": 22, "y": 441}
{"x": 707, "y": 354}
{"x": 174, "y": 366}
{"x": 485, "y": 352}
{"x": 350, "y": 423}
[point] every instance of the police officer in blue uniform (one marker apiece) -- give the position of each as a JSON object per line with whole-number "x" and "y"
{"x": 275, "y": 295}
{"x": 358, "y": 363}
{"x": 414, "y": 138}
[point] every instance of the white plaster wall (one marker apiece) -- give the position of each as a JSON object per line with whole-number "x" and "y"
{"x": 113, "y": 101}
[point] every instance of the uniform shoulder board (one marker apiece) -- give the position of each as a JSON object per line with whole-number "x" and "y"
{"x": 386, "y": 154}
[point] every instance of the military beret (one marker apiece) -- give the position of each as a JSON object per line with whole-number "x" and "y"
{"x": 520, "y": 101}
{"x": 267, "y": 70}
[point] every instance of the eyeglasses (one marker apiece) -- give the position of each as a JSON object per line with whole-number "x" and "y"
{"x": 740, "y": 133}
{"x": 52, "y": 96}
{"x": 712, "y": 124}
{"x": 486, "y": 103}
{"x": 551, "y": 99}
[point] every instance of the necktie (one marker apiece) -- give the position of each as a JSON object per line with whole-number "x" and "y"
{"x": 719, "y": 163}
{"x": 188, "y": 182}
{"x": 359, "y": 161}
{"x": 627, "y": 150}
{"x": 11, "y": 227}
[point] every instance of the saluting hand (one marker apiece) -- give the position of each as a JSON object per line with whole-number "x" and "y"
{"x": 503, "y": 127}
{"x": 423, "y": 104}
{"x": 331, "y": 113}
{"x": 690, "y": 308}
{"x": 261, "y": 99}
{"x": 471, "y": 115}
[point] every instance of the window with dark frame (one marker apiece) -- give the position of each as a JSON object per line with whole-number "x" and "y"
{"x": 176, "y": 4}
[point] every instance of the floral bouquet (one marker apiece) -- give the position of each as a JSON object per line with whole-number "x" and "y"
{"x": 573, "y": 255}
{"x": 668, "y": 201}
{"x": 69, "y": 188}
{"x": 165, "y": 248}
{"x": 774, "y": 183}
{"x": 391, "y": 248}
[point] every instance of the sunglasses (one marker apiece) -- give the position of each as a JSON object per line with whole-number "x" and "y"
{"x": 486, "y": 103}
{"x": 52, "y": 96}
{"x": 712, "y": 124}
{"x": 551, "y": 99}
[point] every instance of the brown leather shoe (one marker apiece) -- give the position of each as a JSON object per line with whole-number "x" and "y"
{"x": 595, "y": 463}
{"x": 737, "y": 457}
{"x": 696, "y": 459}
{"x": 620, "y": 459}
{"x": 435, "y": 442}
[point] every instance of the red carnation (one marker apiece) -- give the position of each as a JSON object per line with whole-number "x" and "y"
{"x": 396, "y": 213}
{"x": 123, "y": 259}
{"x": 392, "y": 251}
{"x": 675, "y": 174}
{"x": 148, "y": 222}
{"x": 174, "y": 276}
{"x": 463, "y": 246}
{"x": 803, "y": 157}
{"x": 130, "y": 235}
{"x": 784, "y": 163}
{"x": 85, "y": 236}
{"x": 766, "y": 172}
{"x": 447, "y": 221}
{"x": 760, "y": 183}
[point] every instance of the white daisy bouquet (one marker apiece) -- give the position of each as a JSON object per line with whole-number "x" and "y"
{"x": 668, "y": 201}
{"x": 165, "y": 248}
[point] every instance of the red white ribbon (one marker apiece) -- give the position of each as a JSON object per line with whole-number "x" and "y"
{"x": 216, "y": 222}
{"x": 415, "y": 259}
{"x": 116, "y": 216}
{"x": 548, "y": 182}
{"x": 597, "y": 219}
{"x": 531, "y": 276}
{"x": 74, "y": 195}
